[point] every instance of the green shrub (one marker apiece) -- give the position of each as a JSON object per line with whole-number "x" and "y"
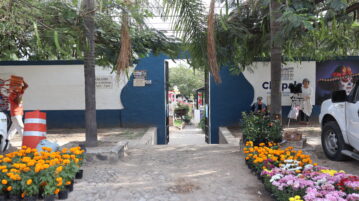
{"x": 181, "y": 109}
{"x": 202, "y": 123}
{"x": 187, "y": 119}
{"x": 260, "y": 128}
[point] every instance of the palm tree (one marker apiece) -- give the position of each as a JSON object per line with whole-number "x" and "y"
{"x": 276, "y": 59}
{"x": 90, "y": 90}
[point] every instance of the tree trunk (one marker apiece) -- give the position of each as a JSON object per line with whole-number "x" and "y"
{"x": 276, "y": 61}
{"x": 90, "y": 87}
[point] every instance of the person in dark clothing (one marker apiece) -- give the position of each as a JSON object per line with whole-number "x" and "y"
{"x": 259, "y": 106}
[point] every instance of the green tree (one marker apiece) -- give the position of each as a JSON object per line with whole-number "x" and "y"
{"x": 279, "y": 30}
{"x": 186, "y": 79}
{"x": 73, "y": 29}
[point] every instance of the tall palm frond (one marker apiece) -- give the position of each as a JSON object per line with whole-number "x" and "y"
{"x": 211, "y": 45}
{"x": 196, "y": 30}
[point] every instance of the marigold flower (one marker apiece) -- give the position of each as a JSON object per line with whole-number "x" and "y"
{"x": 9, "y": 188}
{"x": 29, "y": 182}
{"x": 57, "y": 191}
{"x": 58, "y": 169}
{"x": 4, "y": 181}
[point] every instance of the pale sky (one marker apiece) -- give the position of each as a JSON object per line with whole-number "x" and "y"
{"x": 165, "y": 26}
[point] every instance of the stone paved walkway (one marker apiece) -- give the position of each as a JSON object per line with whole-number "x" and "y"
{"x": 189, "y": 135}
{"x": 172, "y": 173}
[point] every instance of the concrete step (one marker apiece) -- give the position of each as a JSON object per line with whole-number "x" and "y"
{"x": 109, "y": 154}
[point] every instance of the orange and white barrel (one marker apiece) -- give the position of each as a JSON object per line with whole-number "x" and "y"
{"x": 35, "y": 128}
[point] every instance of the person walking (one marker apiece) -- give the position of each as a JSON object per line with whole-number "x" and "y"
{"x": 17, "y": 111}
{"x": 306, "y": 106}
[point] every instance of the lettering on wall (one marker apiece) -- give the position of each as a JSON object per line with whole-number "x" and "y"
{"x": 258, "y": 75}
{"x": 104, "y": 82}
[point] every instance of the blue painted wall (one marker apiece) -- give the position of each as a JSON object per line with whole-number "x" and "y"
{"x": 232, "y": 97}
{"x": 145, "y": 106}
{"x": 76, "y": 118}
{"x": 228, "y": 100}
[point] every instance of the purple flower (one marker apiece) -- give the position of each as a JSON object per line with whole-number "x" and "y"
{"x": 353, "y": 197}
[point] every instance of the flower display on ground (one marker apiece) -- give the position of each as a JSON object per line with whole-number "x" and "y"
{"x": 29, "y": 172}
{"x": 291, "y": 175}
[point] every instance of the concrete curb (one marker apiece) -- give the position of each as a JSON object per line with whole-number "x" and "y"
{"x": 226, "y": 137}
{"x": 107, "y": 154}
{"x": 150, "y": 137}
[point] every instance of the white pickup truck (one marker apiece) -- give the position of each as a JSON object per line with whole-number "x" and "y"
{"x": 339, "y": 119}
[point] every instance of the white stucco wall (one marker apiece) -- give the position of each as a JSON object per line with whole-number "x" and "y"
{"x": 259, "y": 76}
{"x": 61, "y": 87}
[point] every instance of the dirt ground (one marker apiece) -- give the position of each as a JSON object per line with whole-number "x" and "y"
{"x": 314, "y": 148}
{"x": 74, "y": 137}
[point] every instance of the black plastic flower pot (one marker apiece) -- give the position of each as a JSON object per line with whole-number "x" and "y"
{"x": 7, "y": 195}
{"x": 29, "y": 198}
{"x": 79, "y": 174}
{"x": 63, "y": 194}
{"x": 49, "y": 197}
{"x": 2, "y": 197}
{"x": 70, "y": 187}
{"x": 12, "y": 197}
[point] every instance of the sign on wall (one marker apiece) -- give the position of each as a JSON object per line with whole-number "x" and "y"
{"x": 259, "y": 77}
{"x": 104, "y": 82}
{"x": 335, "y": 75}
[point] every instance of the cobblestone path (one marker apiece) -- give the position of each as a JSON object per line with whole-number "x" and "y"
{"x": 171, "y": 173}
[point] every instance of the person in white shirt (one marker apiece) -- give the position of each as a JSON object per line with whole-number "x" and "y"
{"x": 306, "y": 106}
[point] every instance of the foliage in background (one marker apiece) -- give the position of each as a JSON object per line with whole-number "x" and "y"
{"x": 202, "y": 123}
{"x": 50, "y": 30}
{"x": 181, "y": 110}
{"x": 260, "y": 128}
{"x": 178, "y": 123}
{"x": 186, "y": 79}
{"x": 318, "y": 30}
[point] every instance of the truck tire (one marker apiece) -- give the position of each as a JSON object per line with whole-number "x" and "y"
{"x": 333, "y": 142}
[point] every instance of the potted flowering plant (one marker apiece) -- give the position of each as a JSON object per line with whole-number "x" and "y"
{"x": 29, "y": 188}
{"x": 260, "y": 128}
{"x": 69, "y": 170}
{"x": 78, "y": 156}
{"x": 3, "y": 184}
{"x": 14, "y": 187}
{"x": 48, "y": 183}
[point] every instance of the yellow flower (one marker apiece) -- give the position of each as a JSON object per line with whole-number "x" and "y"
{"x": 57, "y": 191}
{"x": 31, "y": 163}
{"x": 58, "y": 169}
{"x": 4, "y": 181}
{"x": 66, "y": 161}
{"x": 9, "y": 188}
{"x": 7, "y": 160}
{"x": 29, "y": 182}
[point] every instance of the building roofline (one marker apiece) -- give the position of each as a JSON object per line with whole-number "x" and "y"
{"x": 39, "y": 63}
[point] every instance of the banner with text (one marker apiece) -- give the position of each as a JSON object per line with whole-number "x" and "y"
{"x": 259, "y": 76}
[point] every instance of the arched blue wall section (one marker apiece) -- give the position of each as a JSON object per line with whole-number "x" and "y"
{"x": 232, "y": 97}
{"x": 228, "y": 100}
{"x": 145, "y": 106}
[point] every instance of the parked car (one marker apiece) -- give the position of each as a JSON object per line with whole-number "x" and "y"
{"x": 339, "y": 119}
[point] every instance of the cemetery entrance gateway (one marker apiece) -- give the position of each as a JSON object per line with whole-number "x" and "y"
{"x": 206, "y": 103}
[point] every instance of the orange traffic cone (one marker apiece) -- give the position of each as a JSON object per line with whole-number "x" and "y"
{"x": 35, "y": 128}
